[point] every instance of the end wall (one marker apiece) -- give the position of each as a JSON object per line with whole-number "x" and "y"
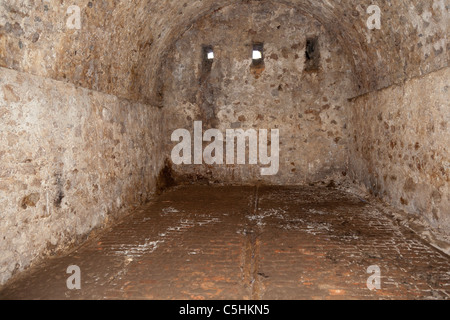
{"x": 306, "y": 104}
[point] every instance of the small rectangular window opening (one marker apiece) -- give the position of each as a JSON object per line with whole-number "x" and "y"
{"x": 258, "y": 54}
{"x": 312, "y": 54}
{"x": 208, "y": 58}
{"x": 208, "y": 53}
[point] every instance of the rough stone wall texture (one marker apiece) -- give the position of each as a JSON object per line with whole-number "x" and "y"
{"x": 83, "y": 149}
{"x": 121, "y": 44}
{"x": 70, "y": 160}
{"x": 308, "y": 107}
{"x": 400, "y": 146}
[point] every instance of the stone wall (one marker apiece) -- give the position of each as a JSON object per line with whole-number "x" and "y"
{"x": 400, "y": 146}
{"x": 70, "y": 160}
{"x": 306, "y": 104}
{"x": 121, "y": 45}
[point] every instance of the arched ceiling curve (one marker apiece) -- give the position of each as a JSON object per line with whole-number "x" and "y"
{"x": 122, "y": 44}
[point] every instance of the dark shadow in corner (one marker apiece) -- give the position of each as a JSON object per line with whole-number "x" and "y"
{"x": 165, "y": 178}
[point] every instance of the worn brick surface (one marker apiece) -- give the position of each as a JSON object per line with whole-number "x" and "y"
{"x": 246, "y": 243}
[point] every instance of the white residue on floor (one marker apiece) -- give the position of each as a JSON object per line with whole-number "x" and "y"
{"x": 150, "y": 245}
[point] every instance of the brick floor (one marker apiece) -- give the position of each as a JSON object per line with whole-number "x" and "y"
{"x": 247, "y": 243}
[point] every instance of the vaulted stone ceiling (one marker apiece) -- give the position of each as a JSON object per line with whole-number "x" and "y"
{"x": 121, "y": 46}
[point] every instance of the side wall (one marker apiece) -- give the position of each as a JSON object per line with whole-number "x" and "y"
{"x": 401, "y": 146}
{"x": 70, "y": 160}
